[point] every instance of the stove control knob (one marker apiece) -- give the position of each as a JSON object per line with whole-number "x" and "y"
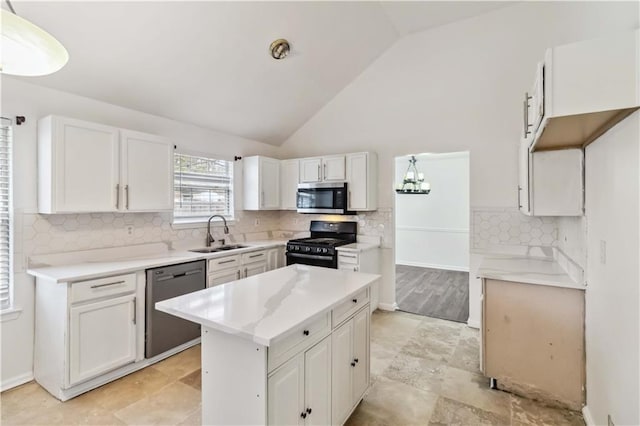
{"x": 324, "y": 250}
{"x": 307, "y": 249}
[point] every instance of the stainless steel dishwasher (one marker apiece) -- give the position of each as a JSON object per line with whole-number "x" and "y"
{"x": 164, "y": 331}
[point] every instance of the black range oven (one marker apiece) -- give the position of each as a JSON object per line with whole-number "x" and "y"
{"x": 320, "y": 248}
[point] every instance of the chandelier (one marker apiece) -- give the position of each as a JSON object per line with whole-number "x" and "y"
{"x": 413, "y": 181}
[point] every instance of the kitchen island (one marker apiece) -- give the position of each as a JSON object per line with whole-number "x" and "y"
{"x": 290, "y": 346}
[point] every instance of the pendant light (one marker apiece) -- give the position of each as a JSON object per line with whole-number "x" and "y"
{"x": 28, "y": 50}
{"x": 413, "y": 181}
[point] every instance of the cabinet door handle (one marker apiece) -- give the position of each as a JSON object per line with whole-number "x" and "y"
{"x": 354, "y": 300}
{"x": 107, "y": 284}
{"x": 117, "y": 195}
{"x": 353, "y": 364}
{"x": 238, "y": 273}
{"x": 305, "y": 332}
{"x": 355, "y": 360}
{"x": 526, "y": 114}
{"x": 519, "y": 204}
{"x": 126, "y": 194}
{"x": 303, "y": 415}
{"x": 245, "y": 272}
{"x": 135, "y": 310}
{"x": 308, "y": 410}
{"x": 325, "y": 172}
{"x": 262, "y": 199}
{"x": 319, "y": 172}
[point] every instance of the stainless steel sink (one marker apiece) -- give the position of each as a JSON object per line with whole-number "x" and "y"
{"x": 218, "y": 249}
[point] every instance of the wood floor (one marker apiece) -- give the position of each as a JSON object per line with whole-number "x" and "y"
{"x": 435, "y": 293}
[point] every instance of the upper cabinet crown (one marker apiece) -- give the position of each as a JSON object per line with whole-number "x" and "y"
{"x": 322, "y": 169}
{"x": 581, "y": 90}
{"x": 89, "y": 167}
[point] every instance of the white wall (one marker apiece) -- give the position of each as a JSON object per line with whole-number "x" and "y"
{"x": 612, "y": 183}
{"x": 34, "y": 102}
{"x": 457, "y": 87}
{"x": 433, "y": 230}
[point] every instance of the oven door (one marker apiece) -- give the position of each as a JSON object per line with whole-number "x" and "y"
{"x": 326, "y": 261}
{"x": 328, "y": 198}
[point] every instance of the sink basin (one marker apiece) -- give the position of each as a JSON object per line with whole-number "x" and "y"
{"x": 218, "y": 249}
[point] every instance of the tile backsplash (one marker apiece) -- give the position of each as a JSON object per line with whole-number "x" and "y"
{"x": 37, "y": 234}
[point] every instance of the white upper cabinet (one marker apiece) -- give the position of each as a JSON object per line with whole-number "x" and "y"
{"x": 582, "y": 90}
{"x": 86, "y": 167}
{"x": 362, "y": 181}
{"x": 261, "y": 183}
{"x": 551, "y": 183}
{"x": 289, "y": 170}
{"x": 145, "y": 162}
{"x": 322, "y": 169}
{"x": 78, "y": 166}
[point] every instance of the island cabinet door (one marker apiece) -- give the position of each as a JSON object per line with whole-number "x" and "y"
{"x": 341, "y": 385}
{"x": 286, "y": 393}
{"x": 360, "y": 354}
{"x": 317, "y": 384}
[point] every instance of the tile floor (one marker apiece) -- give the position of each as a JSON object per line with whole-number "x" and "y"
{"x": 424, "y": 371}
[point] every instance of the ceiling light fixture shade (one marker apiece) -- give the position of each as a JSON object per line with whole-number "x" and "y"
{"x": 413, "y": 181}
{"x": 279, "y": 49}
{"x": 28, "y": 50}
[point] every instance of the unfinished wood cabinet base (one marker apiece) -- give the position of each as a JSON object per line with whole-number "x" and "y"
{"x": 533, "y": 341}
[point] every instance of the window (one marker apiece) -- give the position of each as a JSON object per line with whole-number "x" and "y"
{"x": 5, "y": 215}
{"x": 203, "y": 187}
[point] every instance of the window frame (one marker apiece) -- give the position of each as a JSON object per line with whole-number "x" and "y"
{"x": 181, "y": 222}
{"x": 9, "y": 308}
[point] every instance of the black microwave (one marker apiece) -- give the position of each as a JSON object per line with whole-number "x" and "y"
{"x": 322, "y": 198}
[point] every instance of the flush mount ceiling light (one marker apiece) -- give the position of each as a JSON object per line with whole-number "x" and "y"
{"x": 279, "y": 49}
{"x": 413, "y": 181}
{"x": 28, "y": 50}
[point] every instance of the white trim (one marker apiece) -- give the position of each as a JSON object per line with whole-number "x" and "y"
{"x": 10, "y": 314}
{"x": 199, "y": 223}
{"x": 473, "y": 323}
{"x": 388, "y": 306}
{"x": 588, "y": 418}
{"x": 425, "y": 229}
{"x": 437, "y": 156}
{"x": 434, "y": 266}
{"x": 16, "y": 381}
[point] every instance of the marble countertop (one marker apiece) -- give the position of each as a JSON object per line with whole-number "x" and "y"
{"x": 127, "y": 263}
{"x": 528, "y": 270}
{"x": 263, "y": 307}
{"x": 358, "y": 247}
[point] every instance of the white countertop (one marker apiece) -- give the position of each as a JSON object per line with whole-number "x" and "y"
{"x": 528, "y": 270}
{"x": 89, "y": 269}
{"x": 266, "y": 306}
{"x": 358, "y": 247}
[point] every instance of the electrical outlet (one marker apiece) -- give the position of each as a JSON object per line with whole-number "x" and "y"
{"x": 603, "y": 252}
{"x": 129, "y": 229}
{"x": 609, "y": 421}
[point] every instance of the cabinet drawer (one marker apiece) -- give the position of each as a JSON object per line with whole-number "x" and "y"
{"x": 102, "y": 287}
{"x": 347, "y": 257}
{"x": 254, "y": 256}
{"x": 298, "y": 339}
{"x": 349, "y": 307}
{"x": 220, "y": 263}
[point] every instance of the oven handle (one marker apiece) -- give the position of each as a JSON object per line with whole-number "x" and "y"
{"x": 310, "y": 256}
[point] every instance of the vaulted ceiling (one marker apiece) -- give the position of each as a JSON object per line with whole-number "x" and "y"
{"x": 207, "y": 63}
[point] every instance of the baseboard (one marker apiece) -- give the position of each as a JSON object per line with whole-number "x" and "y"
{"x": 388, "y": 306}
{"x": 473, "y": 323}
{"x": 16, "y": 381}
{"x": 433, "y": 266}
{"x": 586, "y": 414}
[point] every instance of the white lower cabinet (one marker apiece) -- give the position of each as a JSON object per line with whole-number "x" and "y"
{"x": 225, "y": 269}
{"x": 224, "y": 276}
{"x": 350, "y": 365}
{"x": 102, "y": 336}
{"x": 299, "y": 391}
{"x": 367, "y": 261}
{"x": 255, "y": 269}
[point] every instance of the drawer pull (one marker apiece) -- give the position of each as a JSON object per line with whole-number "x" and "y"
{"x": 355, "y": 360}
{"x": 257, "y": 255}
{"x": 107, "y": 284}
{"x": 306, "y": 332}
{"x": 354, "y": 300}
{"x": 308, "y": 410}
{"x": 303, "y": 415}
{"x": 226, "y": 261}
{"x": 353, "y": 364}
{"x": 353, "y": 256}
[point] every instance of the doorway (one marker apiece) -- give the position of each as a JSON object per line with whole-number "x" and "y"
{"x": 432, "y": 235}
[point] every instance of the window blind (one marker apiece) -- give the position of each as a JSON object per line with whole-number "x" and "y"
{"x": 203, "y": 187}
{"x": 5, "y": 214}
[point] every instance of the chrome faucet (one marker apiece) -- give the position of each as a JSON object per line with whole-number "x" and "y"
{"x": 209, "y": 236}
